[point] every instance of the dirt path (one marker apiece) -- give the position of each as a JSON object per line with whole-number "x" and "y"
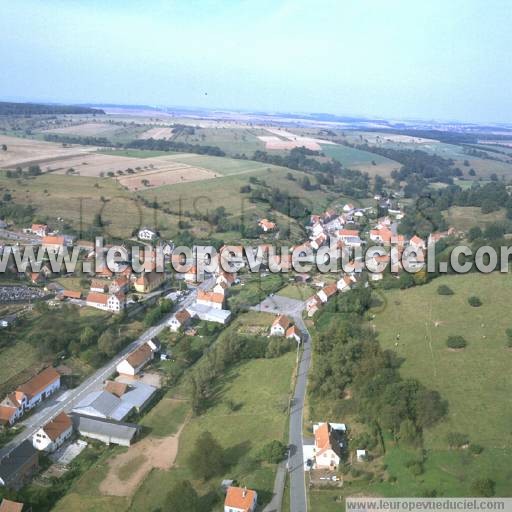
{"x": 151, "y": 452}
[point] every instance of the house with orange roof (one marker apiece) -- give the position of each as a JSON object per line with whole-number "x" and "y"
{"x": 350, "y": 237}
{"x": 36, "y": 277}
{"x": 190, "y": 275}
{"x": 179, "y": 320}
{"x": 227, "y": 278}
{"x": 313, "y": 304}
{"x": 345, "y": 283}
{"x": 119, "y": 284}
{"x": 280, "y": 325}
{"x": 114, "y": 302}
{"x": 14, "y": 506}
{"x": 417, "y": 243}
{"x": 34, "y": 391}
{"x": 240, "y": 499}
{"x": 211, "y": 299}
{"x": 71, "y": 294}
{"x": 327, "y": 292}
{"x": 221, "y": 288}
{"x": 328, "y": 445}
{"x": 53, "y": 435}
{"x": 53, "y": 243}
{"x": 267, "y": 225}
{"x": 293, "y": 333}
{"x": 382, "y": 235}
{"x": 134, "y": 363}
{"x": 8, "y": 415}
{"x": 39, "y": 229}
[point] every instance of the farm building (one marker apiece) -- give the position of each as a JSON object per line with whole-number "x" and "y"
{"x": 106, "y": 431}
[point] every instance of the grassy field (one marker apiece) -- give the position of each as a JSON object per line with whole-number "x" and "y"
{"x": 231, "y": 140}
{"x": 463, "y": 218}
{"x": 296, "y": 291}
{"x": 166, "y": 417}
{"x": 260, "y": 388}
{"x": 361, "y": 160}
{"x": 476, "y": 381}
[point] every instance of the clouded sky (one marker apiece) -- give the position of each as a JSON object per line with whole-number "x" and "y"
{"x": 435, "y": 59}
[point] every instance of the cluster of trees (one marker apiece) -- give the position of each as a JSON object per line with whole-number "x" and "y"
{"x": 351, "y": 182}
{"x": 281, "y": 201}
{"x": 425, "y": 215}
{"x": 25, "y": 109}
{"x": 78, "y": 139}
{"x": 347, "y": 353}
{"x": 33, "y": 170}
{"x": 21, "y": 214}
{"x": 157, "y": 312}
{"x": 417, "y": 163}
{"x": 169, "y": 145}
{"x": 92, "y": 341}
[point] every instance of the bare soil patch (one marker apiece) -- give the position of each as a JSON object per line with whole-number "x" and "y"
{"x": 157, "y": 133}
{"x": 128, "y": 470}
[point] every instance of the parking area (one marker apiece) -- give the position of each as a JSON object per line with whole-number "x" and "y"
{"x": 280, "y": 305}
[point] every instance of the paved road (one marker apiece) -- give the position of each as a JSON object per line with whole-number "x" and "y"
{"x": 295, "y": 463}
{"x": 67, "y": 401}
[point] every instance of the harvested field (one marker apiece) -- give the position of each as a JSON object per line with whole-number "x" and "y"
{"x": 157, "y": 133}
{"x": 174, "y": 173}
{"x": 282, "y": 140}
{"x": 129, "y": 469}
{"x": 158, "y": 171}
{"x": 24, "y": 152}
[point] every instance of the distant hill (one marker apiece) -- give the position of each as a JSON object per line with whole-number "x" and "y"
{"x": 21, "y": 109}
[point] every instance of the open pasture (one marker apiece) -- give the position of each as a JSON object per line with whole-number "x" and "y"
{"x": 88, "y": 129}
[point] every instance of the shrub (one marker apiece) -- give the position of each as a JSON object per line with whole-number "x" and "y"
{"x": 509, "y": 337}
{"x": 444, "y": 290}
{"x": 274, "y": 452}
{"x": 474, "y": 301}
{"x": 476, "y": 448}
{"x": 415, "y": 467}
{"x": 456, "y": 439}
{"x": 483, "y": 487}
{"x": 456, "y": 342}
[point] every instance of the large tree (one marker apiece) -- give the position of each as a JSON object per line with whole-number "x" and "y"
{"x": 182, "y": 498}
{"x": 207, "y": 457}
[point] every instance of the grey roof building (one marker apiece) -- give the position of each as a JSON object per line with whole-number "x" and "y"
{"x": 19, "y": 465}
{"x": 106, "y": 431}
{"x": 100, "y": 404}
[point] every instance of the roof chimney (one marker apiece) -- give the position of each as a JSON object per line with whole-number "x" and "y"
{"x": 244, "y": 492}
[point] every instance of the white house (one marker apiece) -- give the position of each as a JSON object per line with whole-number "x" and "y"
{"x": 240, "y": 499}
{"x": 279, "y": 326}
{"x": 417, "y": 243}
{"x": 146, "y": 234}
{"x": 33, "y": 392}
{"x": 179, "y": 320}
{"x": 114, "y": 302}
{"x": 327, "y": 292}
{"x": 52, "y": 435}
{"x": 211, "y": 299}
{"x": 361, "y": 455}
{"x": 293, "y": 333}
{"x": 328, "y": 445}
{"x": 345, "y": 283}
{"x": 135, "y": 361}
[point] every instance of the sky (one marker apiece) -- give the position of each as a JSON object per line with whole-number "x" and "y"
{"x": 398, "y": 59}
